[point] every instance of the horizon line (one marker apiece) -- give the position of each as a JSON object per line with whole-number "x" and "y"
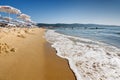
{"x": 81, "y": 23}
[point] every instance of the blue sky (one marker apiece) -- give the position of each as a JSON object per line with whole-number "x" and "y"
{"x": 69, "y": 11}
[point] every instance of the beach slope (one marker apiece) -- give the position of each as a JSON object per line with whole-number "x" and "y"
{"x": 25, "y": 55}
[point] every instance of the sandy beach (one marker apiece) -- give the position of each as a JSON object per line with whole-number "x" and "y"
{"x": 26, "y": 55}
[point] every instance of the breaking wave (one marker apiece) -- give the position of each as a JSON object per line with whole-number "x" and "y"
{"x": 89, "y": 60}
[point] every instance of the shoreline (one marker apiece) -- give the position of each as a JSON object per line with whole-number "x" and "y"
{"x": 25, "y": 54}
{"x": 86, "y": 59}
{"x": 64, "y": 74}
{"x": 66, "y": 60}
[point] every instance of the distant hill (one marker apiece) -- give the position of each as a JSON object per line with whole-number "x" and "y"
{"x": 71, "y": 25}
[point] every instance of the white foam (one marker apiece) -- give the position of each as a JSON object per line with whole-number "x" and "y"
{"x": 89, "y": 60}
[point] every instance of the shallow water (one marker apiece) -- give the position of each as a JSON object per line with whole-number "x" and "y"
{"x": 109, "y": 35}
{"x": 89, "y": 59}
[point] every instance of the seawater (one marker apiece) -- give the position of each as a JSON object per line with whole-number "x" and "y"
{"x": 109, "y": 35}
{"x": 88, "y": 56}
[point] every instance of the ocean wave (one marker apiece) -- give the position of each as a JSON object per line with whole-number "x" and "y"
{"x": 89, "y": 60}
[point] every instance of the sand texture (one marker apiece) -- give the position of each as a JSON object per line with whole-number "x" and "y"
{"x": 25, "y": 55}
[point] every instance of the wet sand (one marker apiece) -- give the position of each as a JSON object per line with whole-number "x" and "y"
{"x": 58, "y": 66}
{"x": 25, "y": 55}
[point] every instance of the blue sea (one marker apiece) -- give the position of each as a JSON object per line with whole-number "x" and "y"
{"x": 109, "y": 35}
{"x": 93, "y": 53}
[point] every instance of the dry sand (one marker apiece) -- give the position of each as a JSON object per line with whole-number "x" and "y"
{"x": 25, "y": 55}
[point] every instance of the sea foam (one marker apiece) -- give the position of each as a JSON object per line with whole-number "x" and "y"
{"x": 89, "y": 60}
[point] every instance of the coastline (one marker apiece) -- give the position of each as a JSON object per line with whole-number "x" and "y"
{"x": 88, "y": 59}
{"x": 25, "y": 54}
{"x": 57, "y": 65}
